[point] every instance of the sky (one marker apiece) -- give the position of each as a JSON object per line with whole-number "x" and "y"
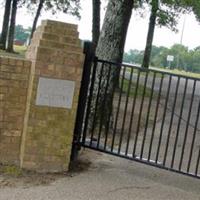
{"x": 137, "y": 32}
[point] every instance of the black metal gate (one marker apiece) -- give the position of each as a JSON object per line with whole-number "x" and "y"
{"x": 153, "y": 117}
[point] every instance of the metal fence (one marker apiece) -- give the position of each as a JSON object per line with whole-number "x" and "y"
{"x": 149, "y": 116}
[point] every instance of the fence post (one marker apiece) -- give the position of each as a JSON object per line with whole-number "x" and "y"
{"x": 89, "y": 56}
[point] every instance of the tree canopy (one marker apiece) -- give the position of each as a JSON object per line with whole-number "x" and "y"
{"x": 66, "y": 6}
{"x": 184, "y": 58}
{"x": 22, "y": 33}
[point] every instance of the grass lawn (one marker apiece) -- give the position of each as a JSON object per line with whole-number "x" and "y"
{"x": 140, "y": 89}
{"x": 20, "y": 49}
{"x": 19, "y": 52}
{"x": 173, "y": 71}
{"x": 179, "y": 72}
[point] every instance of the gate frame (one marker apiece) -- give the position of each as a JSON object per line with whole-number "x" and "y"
{"x": 88, "y": 50}
{"x": 88, "y": 78}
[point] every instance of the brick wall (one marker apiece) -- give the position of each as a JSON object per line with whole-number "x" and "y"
{"x": 33, "y": 136}
{"x": 14, "y": 79}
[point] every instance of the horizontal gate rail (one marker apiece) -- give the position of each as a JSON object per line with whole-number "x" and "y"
{"x": 148, "y": 70}
{"x": 143, "y": 161}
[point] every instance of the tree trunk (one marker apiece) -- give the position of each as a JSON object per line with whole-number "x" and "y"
{"x": 113, "y": 34}
{"x": 149, "y": 41}
{"x": 12, "y": 27}
{"x": 4, "y": 31}
{"x": 110, "y": 48}
{"x": 39, "y": 9}
{"x": 96, "y": 21}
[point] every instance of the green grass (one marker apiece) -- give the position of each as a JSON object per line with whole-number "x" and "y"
{"x": 140, "y": 89}
{"x": 19, "y": 52}
{"x": 179, "y": 72}
{"x": 173, "y": 71}
{"x": 20, "y": 49}
{"x": 143, "y": 73}
{"x": 10, "y": 170}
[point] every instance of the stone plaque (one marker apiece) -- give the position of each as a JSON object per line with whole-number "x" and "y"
{"x": 55, "y": 93}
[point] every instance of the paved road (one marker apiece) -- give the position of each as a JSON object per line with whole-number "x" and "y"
{"x": 110, "y": 178}
{"x": 176, "y": 114}
{"x": 181, "y": 89}
{"x": 174, "y": 82}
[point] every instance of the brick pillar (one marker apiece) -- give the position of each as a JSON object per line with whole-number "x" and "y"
{"x": 57, "y": 59}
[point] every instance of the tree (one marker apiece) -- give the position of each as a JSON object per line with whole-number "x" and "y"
{"x": 195, "y": 60}
{"x": 159, "y": 56}
{"x": 193, "y": 5}
{"x": 113, "y": 34}
{"x": 66, "y": 6}
{"x": 39, "y": 9}
{"x": 188, "y": 59}
{"x": 4, "y": 31}
{"x": 21, "y": 33}
{"x": 96, "y": 8}
{"x": 12, "y": 26}
{"x": 152, "y": 22}
{"x": 163, "y": 13}
{"x": 180, "y": 52}
{"x": 133, "y": 57}
{"x": 110, "y": 47}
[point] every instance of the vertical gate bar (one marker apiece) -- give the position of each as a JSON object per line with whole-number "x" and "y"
{"x": 125, "y": 110}
{"x": 155, "y": 117}
{"x": 103, "y": 106}
{"x": 197, "y": 163}
{"x": 140, "y": 114}
{"x": 118, "y": 107}
{"x": 96, "y": 103}
{"x": 89, "y": 100}
{"x": 163, "y": 119}
{"x": 193, "y": 138}
{"x": 132, "y": 112}
{"x": 187, "y": 126}
{"x": 171, "y": 121}
{"x": 108, "y": 122}
{"x": 82, "y": 101}
{"x": 179, "y": 124}
{"x": 148, "y": 113}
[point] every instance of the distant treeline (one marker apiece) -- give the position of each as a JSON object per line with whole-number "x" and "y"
{"x": 184, "y": 59}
